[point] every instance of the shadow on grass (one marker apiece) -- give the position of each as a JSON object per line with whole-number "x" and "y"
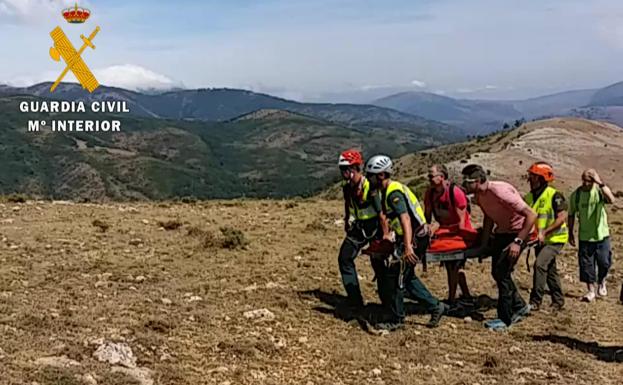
{"x": 373, "y": 313}
{"x": 602, "y": 353}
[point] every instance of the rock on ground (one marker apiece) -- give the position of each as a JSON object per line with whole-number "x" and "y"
{"x": 259, "y": 314}
{"x": 116, "y": 354}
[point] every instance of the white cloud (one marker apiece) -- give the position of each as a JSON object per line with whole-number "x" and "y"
{"x": 29, "y": 80}
{"x": 32, "y": 11}
{"x": 133, "y": 77}
{"x": 490, "y": 87}
{"x": 418, "y": 83}
{"x": 127, "y": 76}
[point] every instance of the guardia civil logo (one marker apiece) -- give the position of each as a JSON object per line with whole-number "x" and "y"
{"x": 63, "y": 49}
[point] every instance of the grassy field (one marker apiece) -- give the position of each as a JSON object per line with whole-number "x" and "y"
{"x": 173, "y": 282}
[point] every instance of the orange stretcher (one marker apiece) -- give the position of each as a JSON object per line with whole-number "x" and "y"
{"x": 450, "y": 245}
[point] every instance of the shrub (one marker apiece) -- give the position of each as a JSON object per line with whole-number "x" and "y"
{"x": 170, "y": 225}
{"x": 233, "y": 238}
{"x": 103, "y": 226}
{"x": 17, "y": 198}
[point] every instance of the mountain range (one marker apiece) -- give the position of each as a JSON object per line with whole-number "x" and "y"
{"x": 410, "y": 110}
{"x": 226, "y": 143}
{"x": 263, "y": 153}
{"x": 222, "y": 104}
{"x": 485, "y": 116}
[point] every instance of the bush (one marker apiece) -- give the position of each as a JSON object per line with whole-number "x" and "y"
{"x": 233, "y": 238}
{"x": 17, "y": 198}
{"x": 188, "y": 199}
{"x": 229, "y": 238}
{"x": 103, "y": 226}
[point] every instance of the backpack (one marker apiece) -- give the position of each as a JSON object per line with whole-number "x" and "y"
{"x": 452, "y": 199}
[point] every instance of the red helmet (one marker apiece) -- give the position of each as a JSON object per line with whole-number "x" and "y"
{"x": 542, "y": 169}
{"x": 350, "y": 158}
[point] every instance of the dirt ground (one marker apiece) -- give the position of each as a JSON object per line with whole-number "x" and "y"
{"x": 73, "y": 276}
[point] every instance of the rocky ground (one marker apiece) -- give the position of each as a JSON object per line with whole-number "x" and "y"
{"x": 243, "y": 292}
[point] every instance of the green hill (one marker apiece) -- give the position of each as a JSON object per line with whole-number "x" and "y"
{"x": 268, "y": 153}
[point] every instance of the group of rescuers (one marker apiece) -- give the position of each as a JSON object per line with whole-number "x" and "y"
{"x": 381, "y": 211}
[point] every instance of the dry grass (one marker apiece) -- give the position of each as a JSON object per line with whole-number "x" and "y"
{"x": 66, "y": 283}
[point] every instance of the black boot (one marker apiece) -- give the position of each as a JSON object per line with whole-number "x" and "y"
{"x": 436, "y": 315}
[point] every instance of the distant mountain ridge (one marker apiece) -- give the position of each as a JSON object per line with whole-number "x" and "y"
{"x": 443, "y": 117}
{"x": 484, "y": 116}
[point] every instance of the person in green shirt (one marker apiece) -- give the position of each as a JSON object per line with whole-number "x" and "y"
{"x": 587, "y": 203}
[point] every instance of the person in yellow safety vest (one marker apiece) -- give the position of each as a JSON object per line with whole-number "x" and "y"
{"x": 406, "y": 219}
{"x": 551, "y": 209}
{"x": 363, "y": 222}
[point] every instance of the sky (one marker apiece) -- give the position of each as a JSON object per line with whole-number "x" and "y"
{"x": 328, "y": 50}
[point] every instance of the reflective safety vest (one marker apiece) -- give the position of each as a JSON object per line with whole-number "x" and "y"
{"x": 364, "y": 210}
{"x": 414, "y": 207}
{"x": 546, "y": 216}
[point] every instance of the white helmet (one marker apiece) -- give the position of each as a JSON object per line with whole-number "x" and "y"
{"x": 378, "y": 164}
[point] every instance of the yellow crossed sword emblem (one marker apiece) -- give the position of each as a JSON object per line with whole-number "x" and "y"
{"x": 63, "y": 48}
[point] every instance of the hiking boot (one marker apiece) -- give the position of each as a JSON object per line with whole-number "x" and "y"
{"x": 556, "y": 307}
{"x": 521, "y": 314}
{"x": 535, "y": 306}
{"x": 589, "y": 297}
{"x": 602, "y": 291}
{"x": 496, "y": 324}
{"x": 437, "y": 314}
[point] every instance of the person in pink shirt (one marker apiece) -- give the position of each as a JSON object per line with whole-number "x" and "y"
{"x": 513, "y": 219}
{"x": 450, "y": 212}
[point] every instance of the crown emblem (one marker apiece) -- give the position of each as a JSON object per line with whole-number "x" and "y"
{"x": 76, "y": 15}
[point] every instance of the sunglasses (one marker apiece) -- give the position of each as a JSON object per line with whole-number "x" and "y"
{"x": 431, "y": 176}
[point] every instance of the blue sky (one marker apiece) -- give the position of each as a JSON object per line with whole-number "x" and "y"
{"x": 334, "y": 50}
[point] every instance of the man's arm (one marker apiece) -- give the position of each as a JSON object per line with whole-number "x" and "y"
{"x": 561, "y": 217}
{"x": 428, "y": 206}
{"x": 608, "y": 196}
{"x": 530, "y": 218}
{"x": 384, "y": 225}
{"x": 487, "y": 228}
{"x": 407, "y": 238}
{"x": 460, "y": 206}
{"x": 571, "y": 225}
